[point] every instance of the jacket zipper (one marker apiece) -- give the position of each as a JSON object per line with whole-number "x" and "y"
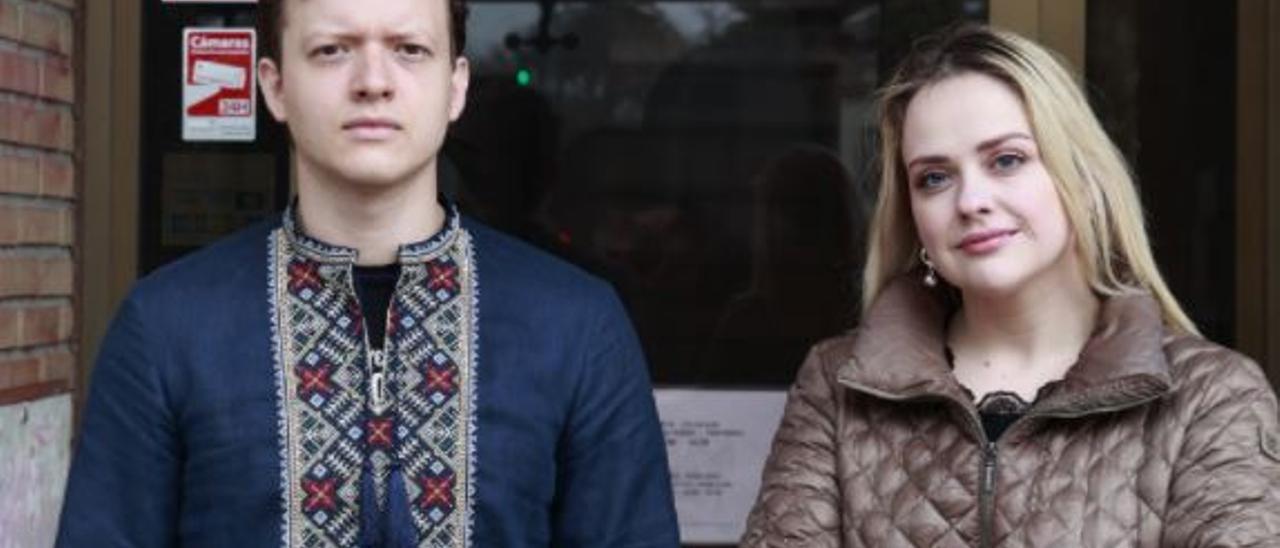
{"x": 988, "y": 464}
{"x": 990, "y": 455}
{"x": 987, "y": 495}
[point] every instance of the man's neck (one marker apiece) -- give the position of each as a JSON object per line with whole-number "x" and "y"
{"x": 375, "y": 220}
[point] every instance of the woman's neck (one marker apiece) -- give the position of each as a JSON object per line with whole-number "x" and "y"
{"x": 1021, "y": 340}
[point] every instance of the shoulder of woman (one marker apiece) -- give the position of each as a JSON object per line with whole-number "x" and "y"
{"x": 1202, "y": 366}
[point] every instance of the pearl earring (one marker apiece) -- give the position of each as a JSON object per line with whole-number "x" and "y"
{"x": 930, "y": 275}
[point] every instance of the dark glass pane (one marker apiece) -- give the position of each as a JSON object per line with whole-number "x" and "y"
{"x": 1162, "y": 77}
{"x": 712, "y": 159}
{"x": 192, "y": 193}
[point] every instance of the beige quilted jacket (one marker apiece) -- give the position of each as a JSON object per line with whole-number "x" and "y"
{"x": 1152, "y": 439}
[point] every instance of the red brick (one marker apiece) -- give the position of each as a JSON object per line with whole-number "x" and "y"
{"x": 39, "y": 125}
{"x": 46, "y": 28}
{"x": 42, "y": 324}
{"x": 19, "y": 371}
{"x": 29, "y": 276}
{"x": 68, "y": 4}
{"x": 57, "y": 365}
{"x": 32, "y": 224}
{"x": 57, "y": 176}
{"x": 10, "y": 20}
{"x": 20, "y": 174}
{"x": 10, "y": 326}
{"x": 20, "y": 72}
{"x": 57, "y": 79}
{"x": 66, "y": 322}
{"x": 43, "y": 127}
{"x": 67, "y": 132}
{"x": 9, "y": 129}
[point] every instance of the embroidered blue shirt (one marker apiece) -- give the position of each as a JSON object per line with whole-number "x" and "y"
{"x": 235, "y": 403}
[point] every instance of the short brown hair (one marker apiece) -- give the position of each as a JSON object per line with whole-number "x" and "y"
{"x": 270, "y": 24}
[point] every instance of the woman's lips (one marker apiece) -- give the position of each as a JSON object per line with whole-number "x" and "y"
{"x": 985, "y": 242}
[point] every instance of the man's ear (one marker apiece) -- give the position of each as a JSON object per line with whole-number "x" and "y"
{"x": 272, "y": 86}
{"x": 458, "y": 82}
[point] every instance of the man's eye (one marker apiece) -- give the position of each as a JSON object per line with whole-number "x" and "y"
{"x": 328, "y": 51}
{"x": 414, "y": 51}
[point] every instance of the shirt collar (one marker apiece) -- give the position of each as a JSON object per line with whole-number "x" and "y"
{"x": 325, "y": 252}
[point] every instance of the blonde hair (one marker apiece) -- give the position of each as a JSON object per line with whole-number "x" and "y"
{"x": 1090, "y": 174}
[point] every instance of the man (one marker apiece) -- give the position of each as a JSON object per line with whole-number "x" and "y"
{"x": 371, "y": 369}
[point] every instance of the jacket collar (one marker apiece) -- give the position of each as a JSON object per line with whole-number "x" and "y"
{"x": 898, "y": 353}
{"x": 324, "y": 252}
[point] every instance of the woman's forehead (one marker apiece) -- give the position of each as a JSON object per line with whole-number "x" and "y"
{"x": 961, "y": 113}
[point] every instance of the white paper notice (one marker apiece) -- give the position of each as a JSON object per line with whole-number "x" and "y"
{"x": 717, "y": 441}
{"x": 218, "y": 96}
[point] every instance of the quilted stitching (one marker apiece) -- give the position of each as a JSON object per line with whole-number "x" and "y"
{"x": 901, "y": 468}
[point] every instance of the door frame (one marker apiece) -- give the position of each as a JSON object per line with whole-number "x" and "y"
{"x": 1258, "y": 182}
{"x": 109, "y": 203}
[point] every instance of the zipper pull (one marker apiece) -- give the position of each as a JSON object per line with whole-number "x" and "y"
{"x": 989, "y": 468}
{"x": 378, "y": 395}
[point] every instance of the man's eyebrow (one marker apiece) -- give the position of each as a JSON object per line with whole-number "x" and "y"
{"x": 348, "y": 34}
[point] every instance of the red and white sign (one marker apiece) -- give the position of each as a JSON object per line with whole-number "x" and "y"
{"x": 218, "y": 98}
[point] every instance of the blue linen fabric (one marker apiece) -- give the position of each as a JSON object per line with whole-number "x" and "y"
{"x": 181, "y": 439}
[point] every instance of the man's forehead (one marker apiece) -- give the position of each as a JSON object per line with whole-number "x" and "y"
{"x": 399, "y": 16}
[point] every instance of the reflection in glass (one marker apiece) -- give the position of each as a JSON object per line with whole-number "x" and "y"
{"x": 711, "y": 159}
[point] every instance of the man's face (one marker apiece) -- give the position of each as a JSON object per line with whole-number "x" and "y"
{"x": 367, "y": 88}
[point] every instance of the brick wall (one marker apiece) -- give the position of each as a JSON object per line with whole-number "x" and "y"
{"x": 38, "y": 216}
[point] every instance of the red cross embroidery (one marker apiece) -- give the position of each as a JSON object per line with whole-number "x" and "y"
{"x": 356, "y": 325}
{"x": 436, "y": 491}
{"x": 319, "y": 494}
{"x": 440, "y": 379}
{"x": 314, "y": 379}
{"x": 379, "y": 432}
{"x": 393, "y": 319}
{"x": 442, "y": 276}
{"x": 303, "y": 274}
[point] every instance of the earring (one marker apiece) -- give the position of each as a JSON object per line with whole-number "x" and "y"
{"x": 930, "y": 275}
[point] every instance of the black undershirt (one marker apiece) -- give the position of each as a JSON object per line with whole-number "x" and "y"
{"x": 998, "y": 410}
{"x": 374, "y": 287}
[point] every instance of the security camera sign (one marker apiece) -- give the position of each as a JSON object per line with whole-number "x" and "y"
{"x": 218, "y": 99}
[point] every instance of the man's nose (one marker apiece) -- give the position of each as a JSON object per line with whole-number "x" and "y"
{"x": 372, "y": 79}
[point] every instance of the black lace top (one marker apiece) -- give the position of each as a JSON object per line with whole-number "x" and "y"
{"x": 997, "y": 409}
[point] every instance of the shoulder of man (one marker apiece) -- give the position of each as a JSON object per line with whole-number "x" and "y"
{"x": 208, "y": 276}
{"x": 509, "y": 268}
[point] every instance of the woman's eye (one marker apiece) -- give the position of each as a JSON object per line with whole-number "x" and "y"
{"x": 1007, "y": 161}
{"x": 931, "y": 179}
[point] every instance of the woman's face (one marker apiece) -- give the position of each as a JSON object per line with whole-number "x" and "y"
{"x": 984, "y": 205}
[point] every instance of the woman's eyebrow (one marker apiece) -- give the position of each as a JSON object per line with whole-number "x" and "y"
{"x": 997, "y": 141}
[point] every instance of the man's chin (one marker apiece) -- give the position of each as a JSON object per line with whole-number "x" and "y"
{"x": 377, "y": 176}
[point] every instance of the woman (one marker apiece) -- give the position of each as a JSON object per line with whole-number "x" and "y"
{"x": 1022, "y": 375}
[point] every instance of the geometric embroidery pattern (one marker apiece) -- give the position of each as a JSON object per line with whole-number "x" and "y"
{"x": 331, "y": 429}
